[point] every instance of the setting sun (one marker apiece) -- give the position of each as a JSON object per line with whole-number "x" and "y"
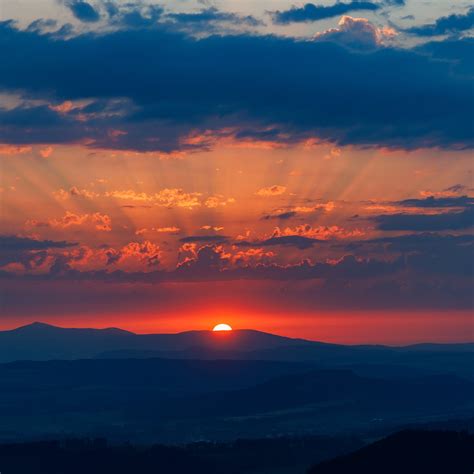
{"x": 222, "y": 327}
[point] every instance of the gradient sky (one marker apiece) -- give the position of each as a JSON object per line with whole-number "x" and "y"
{"x": 305, "y": 170}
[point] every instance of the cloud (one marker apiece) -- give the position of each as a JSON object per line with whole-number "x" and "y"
{"x": 426, "y": 222}
{"x": 14, "y": 242}
{"x": 83, "y": 11}
{"x": 99, "y": 221}
{"x": 74, "y": 192}
{"x": 168, "y": 197}
{"x": 432, "y": 201}
{"x": 160, "y": 230}
{"x": 280, "y": 215}
{"x": 451, "y": 24}
{"x": 356, "y": 33}
{"x": 214, "y": 228}
{"x": 146, "y": 252}
{"x": 218, "y": 200}
{"x": 211, "y": 15}
{"x": 275, "y": 190}
{"x": 311, "y": 12}
{"x": 207, "y": 258}
{"x": 412, "y": 271}
{"x": 304, "y": 236}
{"x": 293, "y": 211}
{"x": 46, "y": 152}
{"x": 26, "y": 251}
{"x": 14, "y": 150}
{"x": 133, "y": 15}
{"x": 451, "y": 191}
{"x": 429, "y": 103}
{"x": 204, "y": 238}
{"x": 298, "y": 241}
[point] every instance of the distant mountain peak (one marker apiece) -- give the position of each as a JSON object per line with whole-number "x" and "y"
{"x": 36, "y": 326}
{"x": 40, "y": 327}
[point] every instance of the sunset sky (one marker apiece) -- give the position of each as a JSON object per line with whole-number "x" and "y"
{"x": 305, "y": 170}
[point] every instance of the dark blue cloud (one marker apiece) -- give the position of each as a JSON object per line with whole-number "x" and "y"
{"x": 130, "y": 15}
{"x": 299, "y": 241}
{"x": 281, "y": 215}
{"x": 451, "y": 24}
{"x": 212, "y": 14}
{"x": 24, "y": 250}
{"x": 13, "y": 242}
{"x": 83, "y": 11}
{"x": 312, "y": 12}
{"x": 431, "y": 201}
{"x": 427, "y": 222}
{"x": 204, "y": 238}
{"x": 172, "y": 85}
{"x": 459, "y": 52}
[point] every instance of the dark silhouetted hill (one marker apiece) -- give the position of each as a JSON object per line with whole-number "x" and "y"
{"x": 408, "y": 452}
{"x": 40, "y": 341}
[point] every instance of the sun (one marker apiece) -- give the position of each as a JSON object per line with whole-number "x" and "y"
{"x": 222, "y": 327}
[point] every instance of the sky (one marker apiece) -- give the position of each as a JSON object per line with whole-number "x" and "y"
{"x": 304, "y": 169}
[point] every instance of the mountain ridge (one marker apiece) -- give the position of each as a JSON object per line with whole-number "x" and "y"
{"x": 42, "y": 341}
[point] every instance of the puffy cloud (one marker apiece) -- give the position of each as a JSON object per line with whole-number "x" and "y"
{"x": 275, "y": 190}
{"x": 100, "y": 221}
{"x": 312, "y": 12}
{"x": 207, "y": 258}
{"x": 46, "y": 152}
{"x": 73, "y": 192}
{"x": 218, "y": 201}
{"x": 14, "y": 150}
{"x": 358, "y": 33}
{"x": 302, "y": 236}
{"x": 147, "y": 252}
{"x": 168, "y": 197}
{"x": 319, "y": 232}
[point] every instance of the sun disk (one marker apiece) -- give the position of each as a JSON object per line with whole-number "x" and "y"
{"x": 222, "y": 327}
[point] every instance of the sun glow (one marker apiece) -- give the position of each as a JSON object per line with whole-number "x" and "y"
{"x": 222, "y": 327}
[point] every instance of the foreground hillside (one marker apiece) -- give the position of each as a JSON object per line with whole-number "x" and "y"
{"x": 409, "y": 452}
{"x": 175, "y": 401}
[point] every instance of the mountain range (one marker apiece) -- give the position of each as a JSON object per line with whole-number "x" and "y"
{"x": 40, "y": 341}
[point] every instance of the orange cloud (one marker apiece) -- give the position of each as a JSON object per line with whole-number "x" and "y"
{"x": 217, "y": 201}
{"x": 319, "y": 232}
{"x": 13, "y": 149}
{"x": 46, "y": 152}
{"x": 275, "y": 190}
{"x": 164, "y": 230}
{"x": 168, "y": 197}
{"x": 63, "y": 195}
{"x": 100, "y": 221}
